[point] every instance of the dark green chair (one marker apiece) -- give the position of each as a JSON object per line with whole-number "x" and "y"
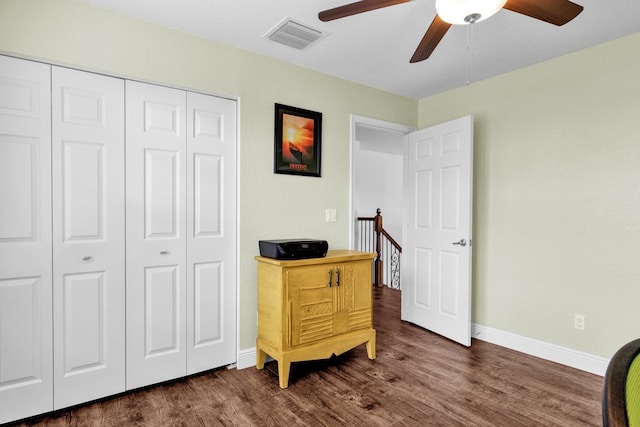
{"x": 621, "y": 397}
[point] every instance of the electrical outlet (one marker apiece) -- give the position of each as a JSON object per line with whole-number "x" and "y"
{"x": 579, "y": 321}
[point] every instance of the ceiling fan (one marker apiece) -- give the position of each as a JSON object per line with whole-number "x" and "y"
{"x": 460, "y": 12}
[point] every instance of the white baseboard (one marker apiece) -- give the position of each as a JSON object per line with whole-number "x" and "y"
{"x": 246, "y": 358}
{"x": 565, "y": 356}
{"x": 555, "y": 353}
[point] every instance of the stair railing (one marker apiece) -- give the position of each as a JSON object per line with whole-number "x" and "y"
{"x": 372, "y": 237}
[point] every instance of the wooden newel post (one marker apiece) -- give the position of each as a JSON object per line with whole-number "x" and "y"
{"x": 378, "y": 261}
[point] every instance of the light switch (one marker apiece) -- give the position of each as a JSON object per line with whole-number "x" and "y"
{"x": 330, "y": 215}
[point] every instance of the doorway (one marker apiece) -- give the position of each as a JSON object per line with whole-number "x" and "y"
{"x": 377, "y": 173}
{"x": 438, "y": 161}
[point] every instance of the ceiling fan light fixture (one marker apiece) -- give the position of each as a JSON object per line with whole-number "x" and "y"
{"x": 463, "y": 12}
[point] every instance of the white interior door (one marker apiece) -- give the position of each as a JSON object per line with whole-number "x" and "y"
{"x": 88, "y": 236}
{"x": 156, "y": 230}
{"x": 26, "y": 378}
{"x": 436, "y": 275}
{"x": 211, "y": 232}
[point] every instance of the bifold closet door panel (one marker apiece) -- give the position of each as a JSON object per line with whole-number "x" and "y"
{"x": 211, "y": 232}
{"x": 88, "y": 236}
{"x": 155, "y": 235}
{"x": 26, "y": 377}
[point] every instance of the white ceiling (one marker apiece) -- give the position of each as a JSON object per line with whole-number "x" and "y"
{"x": 374, "y": 48}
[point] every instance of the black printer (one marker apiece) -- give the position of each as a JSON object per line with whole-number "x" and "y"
{"x": 293, "y": 248}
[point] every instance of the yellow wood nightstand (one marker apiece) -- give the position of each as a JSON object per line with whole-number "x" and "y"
{"x": 313, "y": 308}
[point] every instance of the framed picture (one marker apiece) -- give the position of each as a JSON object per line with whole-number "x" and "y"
{"x": 297, "y": 141}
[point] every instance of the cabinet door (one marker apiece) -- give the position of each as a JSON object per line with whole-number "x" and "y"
{"x": 353, "y": 297}
{"x": 156, "y": 229}
{"x": 26, "y": 383}
{"x": 211, "y": 232}
{"x": 310, "y": 295}
{"x": 88, "y": 236}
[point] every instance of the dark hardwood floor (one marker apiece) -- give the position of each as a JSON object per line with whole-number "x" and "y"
{"x": 418, "y": 379}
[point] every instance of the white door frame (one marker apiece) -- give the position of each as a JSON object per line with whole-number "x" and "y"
{"x": 372, "y": 123}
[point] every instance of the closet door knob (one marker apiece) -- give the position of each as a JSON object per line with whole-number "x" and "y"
{"x": 87, "y": 258}
{"x": 164, "y": 253}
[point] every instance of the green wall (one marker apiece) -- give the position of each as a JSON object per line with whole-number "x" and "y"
{"x": 557, "y": 196}
{"x": 68, "y": 32}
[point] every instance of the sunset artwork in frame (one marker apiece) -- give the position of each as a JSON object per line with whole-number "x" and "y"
{"x": 297, "y": 141}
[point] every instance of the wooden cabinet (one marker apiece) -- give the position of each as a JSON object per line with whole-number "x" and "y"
{"x": 313, "y": 308}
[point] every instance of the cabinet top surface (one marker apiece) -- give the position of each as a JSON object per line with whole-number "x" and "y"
{"x": 333, "y": 256}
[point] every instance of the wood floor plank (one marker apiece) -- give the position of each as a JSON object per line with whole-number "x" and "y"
{"x": 418, "y": 379}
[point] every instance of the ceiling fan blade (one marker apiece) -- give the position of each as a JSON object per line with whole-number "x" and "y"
{"x": 355, "y": 8}
{"x": 432, "y": 37}
{"x": 557, "y": 12}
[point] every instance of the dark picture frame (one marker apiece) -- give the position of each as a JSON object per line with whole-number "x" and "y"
{"x": 298, "y": 141}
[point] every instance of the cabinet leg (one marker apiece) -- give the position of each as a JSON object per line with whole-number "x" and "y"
{"x": 261, "y": 357}
{"x": 283, "y": 372}
{"x": 371, "y": 346}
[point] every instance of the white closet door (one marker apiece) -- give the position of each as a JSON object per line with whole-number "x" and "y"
{"x": 26, "y": 386}
{"x": 211, "y": 232}
{"x": 156, "y": 230}
{"x": 88, "y": 236}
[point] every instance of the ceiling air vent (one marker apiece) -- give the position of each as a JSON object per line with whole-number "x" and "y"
{"x": 295, "y": 34}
